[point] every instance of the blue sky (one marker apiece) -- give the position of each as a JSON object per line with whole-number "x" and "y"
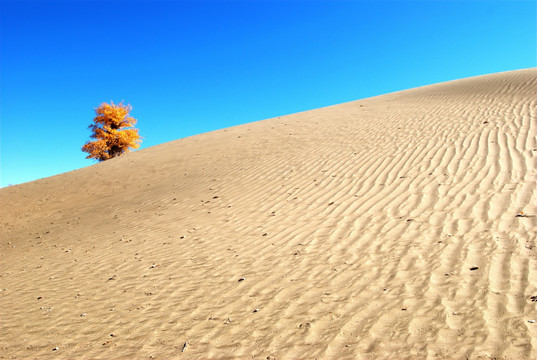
{"x": 189, "y": 67}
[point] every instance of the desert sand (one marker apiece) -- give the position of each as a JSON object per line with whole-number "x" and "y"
{"x": 395, "y": 227}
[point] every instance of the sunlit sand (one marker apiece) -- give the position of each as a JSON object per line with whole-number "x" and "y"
{"x": 395, "y": 227}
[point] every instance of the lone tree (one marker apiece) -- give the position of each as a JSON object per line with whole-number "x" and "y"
{"x": 114, "y": 132}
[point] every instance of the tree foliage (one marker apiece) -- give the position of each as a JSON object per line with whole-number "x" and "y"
{"x": 113, "y": 131}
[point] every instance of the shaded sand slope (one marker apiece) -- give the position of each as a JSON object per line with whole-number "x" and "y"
{"x": 354, "y": 227}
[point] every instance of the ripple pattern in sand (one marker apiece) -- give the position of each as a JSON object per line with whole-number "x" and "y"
{"x": 345, "y": 232}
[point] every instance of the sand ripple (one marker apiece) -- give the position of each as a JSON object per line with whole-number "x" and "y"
{"x": 355, "y": 229}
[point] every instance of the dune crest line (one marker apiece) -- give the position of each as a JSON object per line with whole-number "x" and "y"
{"x": 398, "y": 226}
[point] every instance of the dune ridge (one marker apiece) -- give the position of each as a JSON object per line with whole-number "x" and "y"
{"x": 400, "y": 226}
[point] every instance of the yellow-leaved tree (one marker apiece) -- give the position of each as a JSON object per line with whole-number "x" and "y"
{"x": 113, "y": 131}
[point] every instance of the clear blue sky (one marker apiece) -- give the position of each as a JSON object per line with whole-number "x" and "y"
{"x": 189, "y": 67}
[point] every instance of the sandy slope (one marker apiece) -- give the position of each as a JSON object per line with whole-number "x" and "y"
{"x": 354, "y": 227}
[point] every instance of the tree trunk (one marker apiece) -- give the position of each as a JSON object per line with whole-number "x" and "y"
{"x": 114, "y": 151}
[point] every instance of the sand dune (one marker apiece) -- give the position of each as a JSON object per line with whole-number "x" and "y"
{"x": 396, "y": 227}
